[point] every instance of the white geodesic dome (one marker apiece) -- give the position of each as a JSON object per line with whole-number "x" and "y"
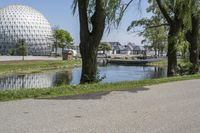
{"x": 19, "y": 22}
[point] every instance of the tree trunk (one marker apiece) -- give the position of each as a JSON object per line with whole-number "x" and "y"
{"x": 90, "y": 39}
{"x": 193, "y": 38}
{"x": 89, "y": 62}
{"x": 184, "y": 53}
{"x": 175, "y": 23}
{"x": 172, "y": 50}
{"x": 62, "y": 51}
{"x": 56, "y": 49}
{"x": 155, "y": 49}
{"x": 162, "y": 51}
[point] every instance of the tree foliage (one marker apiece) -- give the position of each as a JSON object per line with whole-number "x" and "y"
{"x": 114, "y": 11}
{"x": 62, "y": 38}
{"x": 177, "y": 18}
{"x": 153, "y": 31}
{"x": 104, "y": 47}
{"x": 21, "y": 48}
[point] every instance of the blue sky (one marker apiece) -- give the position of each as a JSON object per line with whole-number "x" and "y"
{"x": 59, "y": 13}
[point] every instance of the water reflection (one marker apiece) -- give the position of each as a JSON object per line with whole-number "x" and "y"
{"x": 117, "y": 73}
{"x": 42, "y": 80}
{"x": 114, "y": 73}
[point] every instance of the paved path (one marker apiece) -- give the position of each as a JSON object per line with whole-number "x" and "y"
{"x": 166, "y": 108}
{"x": 19, "y": 58}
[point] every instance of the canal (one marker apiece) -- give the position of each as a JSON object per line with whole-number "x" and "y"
{"x": 111, "y": 73}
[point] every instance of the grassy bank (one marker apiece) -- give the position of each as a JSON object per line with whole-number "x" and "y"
{"x": 162, "y": 63}
{"x": 85, "y": 89}
{"x": 11, "y": 67}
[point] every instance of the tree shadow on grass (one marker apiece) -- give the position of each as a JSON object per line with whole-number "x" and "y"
{"x": 94, "y": 96}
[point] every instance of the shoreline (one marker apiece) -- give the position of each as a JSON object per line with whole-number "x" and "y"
{"x": 36, "y": 66}
{"x": 72, "y": 90}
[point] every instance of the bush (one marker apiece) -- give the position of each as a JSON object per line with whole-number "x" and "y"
{"x": 99, "y": 78}
{"x": 11, "y": 52}
{"x": 185, "y": 68}
{"x": 117, "y": 57}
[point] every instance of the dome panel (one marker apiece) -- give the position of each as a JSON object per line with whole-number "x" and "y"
{"x": 23, "y": 22}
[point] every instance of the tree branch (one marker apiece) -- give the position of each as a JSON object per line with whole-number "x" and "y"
{"x": 156, "y": 26}
{"x": 83, "y": 18}
{"x": 98, "y": 19}
{"x": 164, "y": 12}
{"x": 127, "y": 5}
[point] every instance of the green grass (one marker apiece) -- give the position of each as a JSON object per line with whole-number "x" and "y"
{"x": 22, "y": 67}
{"x": 162, "y": 63}
{"x": 85, "y": 89}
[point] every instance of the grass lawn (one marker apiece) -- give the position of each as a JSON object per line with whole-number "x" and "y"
{"x": 85, "y": 89}
{"x": 22, "y": 67}
{"x": 162, "y": 63}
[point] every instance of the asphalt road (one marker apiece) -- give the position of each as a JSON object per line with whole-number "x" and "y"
{"x": 167, "y": 108}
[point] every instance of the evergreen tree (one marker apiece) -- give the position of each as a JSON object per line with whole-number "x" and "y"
{"x": 21, "y": 48}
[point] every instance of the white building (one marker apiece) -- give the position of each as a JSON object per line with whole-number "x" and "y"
{"x": 129, "y": 49}
{"x": 20, "y": 22}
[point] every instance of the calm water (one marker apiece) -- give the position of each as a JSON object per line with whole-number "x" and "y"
{"x": 113, "y": 73}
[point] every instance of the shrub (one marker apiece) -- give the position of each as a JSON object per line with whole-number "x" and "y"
{"x": 185, "y": 68}
{"x": 11, "y": 52}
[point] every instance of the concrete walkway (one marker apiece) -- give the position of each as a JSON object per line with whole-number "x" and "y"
{"x": 167, "y": 108}
{"x": 19, "y": 58}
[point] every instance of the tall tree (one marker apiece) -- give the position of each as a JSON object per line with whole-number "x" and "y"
{"x": 21, "y": 48}
{"x": 175, "y": 13}
{"x": 94, "y": 15}
{"x": 176, "y": 16}
{"x": 89, "y": 40}
{"x": 62, "y": 39}
{"x": 104, "y": 47}
{"x": 153, "y": 32}
{"x": 192, "y": 36}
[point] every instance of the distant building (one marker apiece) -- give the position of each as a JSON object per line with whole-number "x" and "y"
{"x": 59, "y": 51}
{"x": 135, "y": 49}
{"x": 129, "y": 49}
{"x": 116, "y": 47}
